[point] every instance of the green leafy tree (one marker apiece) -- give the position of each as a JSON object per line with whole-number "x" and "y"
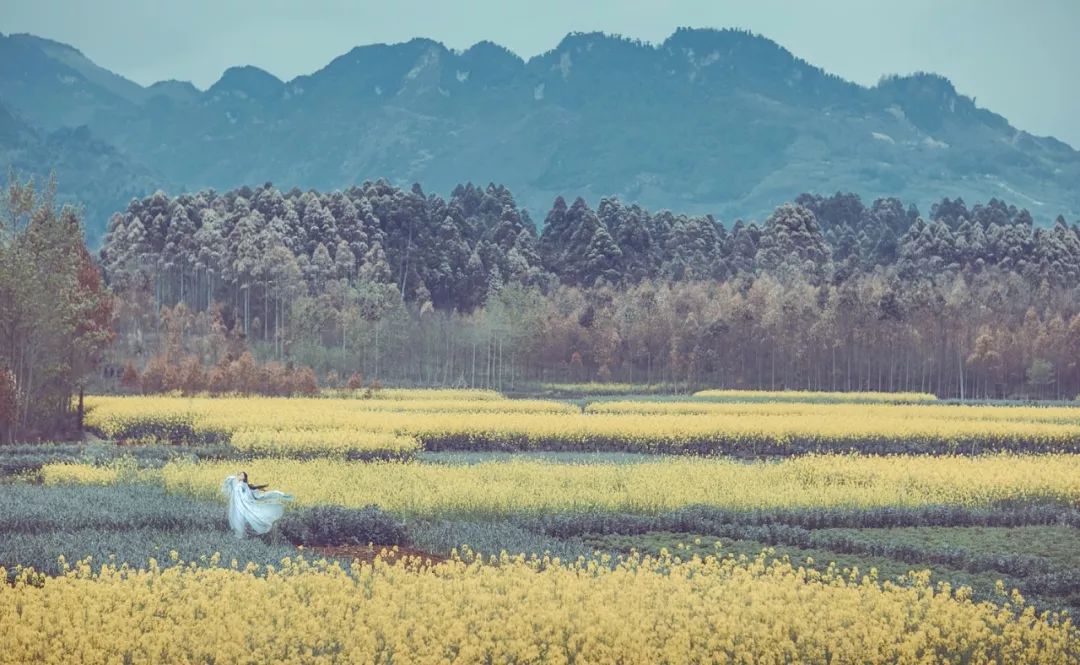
{"x": 55, "y": 313}
{"x": 1040, "y": 375}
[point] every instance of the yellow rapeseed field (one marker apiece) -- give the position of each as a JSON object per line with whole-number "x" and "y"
{"x": 815, "y": 396}
{"x": 106, "y": 412}
{"x": 323, "y": 441}
{"x": 609, "y": 388}
{"x": 447, "y": 394}
{"x": 639, "y": 611}
{"x": 657, "y": 427}
{"x": 1064, "y": 415}
{"x": 674, "y": 433}
{"x": 498, "y": 489}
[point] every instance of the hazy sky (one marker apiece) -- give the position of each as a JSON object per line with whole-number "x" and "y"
{"x": 1020, "y": 58}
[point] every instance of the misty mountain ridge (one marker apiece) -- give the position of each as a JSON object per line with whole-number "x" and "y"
{"x": 716, "y": 121}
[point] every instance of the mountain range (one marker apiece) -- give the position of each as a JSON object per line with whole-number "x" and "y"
{"x": 717, "y": 121}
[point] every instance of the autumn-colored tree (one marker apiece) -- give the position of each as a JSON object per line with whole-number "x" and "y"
{"x": 159, "y": 376}
{"x": 93, "y": 308}
{"x": 277, "y": 380}
{"x": 219, "y": 378}
{"x": 129, "y": 377}
{"x": 245, "y": 375}
{"x": 191, "y": 376}
{"x": 55, "y": 313}
{"x": 304, "y": 382}
{"x": 355, "y": 382}
{"x": 577, "y": 365}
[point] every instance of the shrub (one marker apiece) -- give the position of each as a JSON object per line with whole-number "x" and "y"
{"x": 355, "y": 382}
{"x": 276, "y": 379}
{"x": 220, "y": 381}
{"x": 159, "y": 376}
{"x": 245, "y": 375}
{"x": 304, "y": 382}
{"x": 334, "y": 525}
{"x": 192, "y": 376}
{"x": 129, "y": 378}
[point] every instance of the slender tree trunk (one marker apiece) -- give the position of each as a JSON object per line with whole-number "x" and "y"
{"x": 82, "y": 410}
{"x": 377, "y": 349}
{"x": 266, "y": 315}
{"x": 960, "y": 364}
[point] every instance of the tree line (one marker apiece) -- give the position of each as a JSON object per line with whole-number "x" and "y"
{"x": 55, "y": 313}
{"x": 395, "y": 284}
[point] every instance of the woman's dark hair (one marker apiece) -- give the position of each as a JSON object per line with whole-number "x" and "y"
{"x": 243, "y": 476}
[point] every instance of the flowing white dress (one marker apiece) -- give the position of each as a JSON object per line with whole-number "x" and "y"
{"x": 252, "y": 508}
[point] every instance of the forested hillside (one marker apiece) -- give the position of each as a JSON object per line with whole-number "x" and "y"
{"x": 826, "y": 293}
{"x": 91, "y": 174}
{"x": 708, "y": 121}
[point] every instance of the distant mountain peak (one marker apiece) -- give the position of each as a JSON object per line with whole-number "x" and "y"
{"x": 27, "y": 38}
{"x": 931, "y": 100}
{"x": 926, "y": 82}
{"x": 183, "y": 92}
{"x": 248, "y": 81}
{"x": 492, "y": 54}
{"x": 489, "y": 48}
{"x": 425, "y": 43}
{"x": 68, "y": 61}
{"x": 598, "y": 43}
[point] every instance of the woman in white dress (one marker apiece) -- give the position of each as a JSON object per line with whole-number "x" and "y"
{"x": 251, "y": 507}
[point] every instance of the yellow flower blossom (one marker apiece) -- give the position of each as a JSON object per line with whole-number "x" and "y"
{"x": 505, "y": 487}
{"x": 342, "y": 425}
{"x": 516, "y": 610}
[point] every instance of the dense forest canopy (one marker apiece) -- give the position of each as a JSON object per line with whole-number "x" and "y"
{"x": 827, "y": 292}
